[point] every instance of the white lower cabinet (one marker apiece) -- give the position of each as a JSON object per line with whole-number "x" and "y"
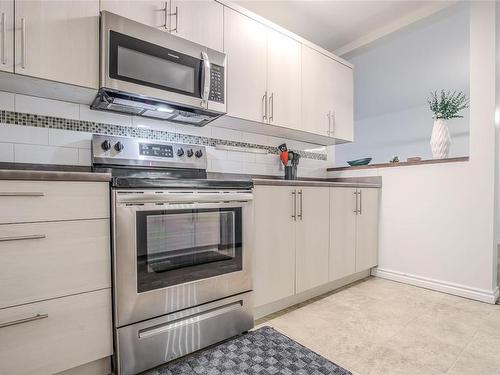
{"x": 354, "y": 230}
{"x": 274, "y": 244}
{"x": 307, "y": 236}
{"x": 291, "y": 241}
{"x": 312, "y": 229}
{"x": 54, "y": 335}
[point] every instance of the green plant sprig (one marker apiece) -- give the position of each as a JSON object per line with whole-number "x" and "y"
{"x": 447, "y": 104}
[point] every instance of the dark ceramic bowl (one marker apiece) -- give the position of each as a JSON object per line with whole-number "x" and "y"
{"x": 355, "y": 163}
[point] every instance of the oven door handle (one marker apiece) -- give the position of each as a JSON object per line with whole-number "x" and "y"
{"x": 153, "y": 197}
{"x": 205, "y": 88}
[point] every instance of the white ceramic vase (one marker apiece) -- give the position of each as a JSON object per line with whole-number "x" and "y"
{"x": 440, "y": 139}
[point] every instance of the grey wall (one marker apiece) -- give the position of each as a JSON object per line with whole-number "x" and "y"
{"x": 392, "y": 79}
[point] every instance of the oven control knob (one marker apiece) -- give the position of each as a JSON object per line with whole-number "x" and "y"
{"x": 106, "y": 145}
{"x": 189, "y": 153}
{"x": 118, "y": 146}
{"x": 180, "y": 152}
{"x": 198, "y": 153}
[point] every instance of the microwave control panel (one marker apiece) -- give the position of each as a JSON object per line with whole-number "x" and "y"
{"x": 216, "y": 83}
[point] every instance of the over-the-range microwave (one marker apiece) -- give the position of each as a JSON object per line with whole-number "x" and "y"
{"x": 148, "y": 72}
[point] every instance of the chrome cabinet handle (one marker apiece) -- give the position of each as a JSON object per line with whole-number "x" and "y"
{"x": 294, "y": 202}
{"x": 271, "y": 106}
{"x": 165, "y": 17}
{"x": 264, "y": 107}
{"x": 23, "y": 43}
{"x": 356, "y": 195}
{"x": 25, "y": 237}
{"x": 300, "y": 201}
{"x": 21, "y": 194}
{"x": 332, "y": 121}
{"x": 4, "y": 32}
{"x": 206, "y": 78}
{"x": 329, "y": 115}
{"x": 360, "y": 202}
{"x": 26, "y": 320}
{"x": 176, "y": 14}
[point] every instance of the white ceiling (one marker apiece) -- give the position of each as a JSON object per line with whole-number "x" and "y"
{"x": 333, "y": 24}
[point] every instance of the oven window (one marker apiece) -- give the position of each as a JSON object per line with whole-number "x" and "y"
{"x": 147, "y": 64}
{"x": 176, "y": 247}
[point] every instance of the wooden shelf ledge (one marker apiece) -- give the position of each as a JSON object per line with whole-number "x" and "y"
{"x": 400, "y": 164}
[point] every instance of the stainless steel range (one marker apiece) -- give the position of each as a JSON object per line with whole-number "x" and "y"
{"x": 182, "y": 251}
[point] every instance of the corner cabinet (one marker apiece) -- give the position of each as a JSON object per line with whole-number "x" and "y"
{"x": 291, "y": 241}
{"x": 354, "y": 221}
{"x": 58, "y": 40}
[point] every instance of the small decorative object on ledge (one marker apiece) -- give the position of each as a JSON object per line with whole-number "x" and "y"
{"x": 413, "y": 159}
{"x": 445, "y": 106}
{"x": 395, "y": 159}
{"x": 358, "y": 162}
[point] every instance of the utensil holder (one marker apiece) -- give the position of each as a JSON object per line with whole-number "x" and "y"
{"x": 291, "y": 172}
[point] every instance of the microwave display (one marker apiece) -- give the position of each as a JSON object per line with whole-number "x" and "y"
{"x": 162, "y": 151}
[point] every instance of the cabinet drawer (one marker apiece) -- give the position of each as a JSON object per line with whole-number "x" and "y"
{"x": 28, "y": 201}
{"x": 55, "y": 335}
{"x": 53, "y": 259}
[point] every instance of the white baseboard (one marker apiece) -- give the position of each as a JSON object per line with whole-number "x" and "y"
{"x": 273, "y": 307}
{"x": 489, "y": 296}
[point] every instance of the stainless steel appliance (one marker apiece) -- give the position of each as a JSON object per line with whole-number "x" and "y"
{"x": 147, "y": 72}
{"x": 182, "y": 251}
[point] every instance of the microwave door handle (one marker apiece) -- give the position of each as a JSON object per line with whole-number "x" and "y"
{"x": 205, "y": 89}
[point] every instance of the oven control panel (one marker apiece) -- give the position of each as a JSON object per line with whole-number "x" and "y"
{"x": 111, "y": 150}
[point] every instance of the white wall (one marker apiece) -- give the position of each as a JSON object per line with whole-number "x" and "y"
{"x": 26, "y": 144}
{"x": 392, "y": 79}
{"x": 437, "y": 221}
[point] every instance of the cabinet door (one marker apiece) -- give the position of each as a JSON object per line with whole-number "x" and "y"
{"x": 316, "y": 92}
{"x": 245, "y": 44}
{"x": 200, "y": 21}
{"x": 312, "y": 233}
{"x": 342, "y": 101}
{"x": 367, "y": 229}
{"x": 342, "y": 232}
{"x": 58, "y": 40}
{"x": 274, "y": 244}
{"x": 7, "y": 35}
{"x": 284, "y": 80}
{"x": 149, "y": 12}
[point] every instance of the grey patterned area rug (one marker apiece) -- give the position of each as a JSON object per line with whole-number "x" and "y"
{"x": 263, "y": 351}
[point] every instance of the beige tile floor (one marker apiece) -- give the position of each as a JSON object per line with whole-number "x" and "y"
{"x": 378, "y": 326}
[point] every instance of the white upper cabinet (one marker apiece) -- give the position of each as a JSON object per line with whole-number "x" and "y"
{"x": 7, "y": 35}
{"x": 199, "y": 21}
{"x": 316, "y": 92}
{"x": 152, "y": 13}
{"x": 283, "y": 80}
{"x": 58, "y": 40}
{"x": 327, "y": 96}
{"x": 245, "y": 44}
{"x": 342, "y": 102}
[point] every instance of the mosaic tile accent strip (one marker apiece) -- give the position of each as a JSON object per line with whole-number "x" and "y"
{"x": 40, "y": 121}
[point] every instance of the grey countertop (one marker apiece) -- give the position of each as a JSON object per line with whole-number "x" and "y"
{"x": 43, "y": 172}
{"x": 367, "y": 182}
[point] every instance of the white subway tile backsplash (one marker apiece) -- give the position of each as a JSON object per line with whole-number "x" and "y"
{"x": 213, "y": 153}
{"x": 84, "y": 156}
{"x": 258, "y": 139}
{"x": 7, "y": 101}
{"x": 227, "y": 134}
{"x": 267, "y": 158}
{"x": 58, "y": 137}
{"x": 225, "y": 166}
{"x": 38, "y": 154}
{"x": 241, "y": 156}
{"x": 150, "y": 123}
{"x": 24, "y": 134}
{"x": 6, "y": 152}
{"x": 87, "y": 114}
{"x": 46, "y": 107}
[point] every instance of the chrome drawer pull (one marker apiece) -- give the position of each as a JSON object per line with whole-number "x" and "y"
{"x": 22, "y": 321}
{"x": 26, "y": 237}
{"x": 21, "y": 194}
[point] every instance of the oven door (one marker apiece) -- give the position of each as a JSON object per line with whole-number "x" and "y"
{"x": 176, "y": 250}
